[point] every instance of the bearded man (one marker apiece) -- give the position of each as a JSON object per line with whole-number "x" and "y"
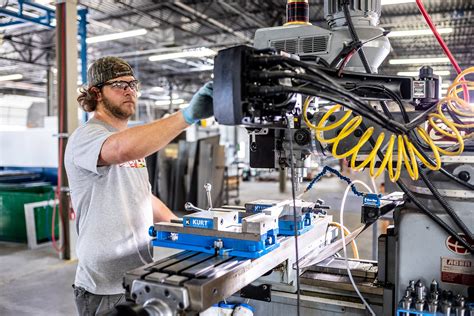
{"x": 110, "y": 191}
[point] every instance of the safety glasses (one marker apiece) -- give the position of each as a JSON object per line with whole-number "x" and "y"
{"x": 122, "y": 85}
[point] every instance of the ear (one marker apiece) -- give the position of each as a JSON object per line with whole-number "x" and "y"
{"x": 98, "y": 94}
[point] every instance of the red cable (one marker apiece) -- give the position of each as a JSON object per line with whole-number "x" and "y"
{"x": 345, "y": 61}
{"x": 442, "y": 43}
{"x": 438, "y": 37}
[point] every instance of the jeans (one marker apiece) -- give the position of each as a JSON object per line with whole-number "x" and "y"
{"x": 89, "y": 304}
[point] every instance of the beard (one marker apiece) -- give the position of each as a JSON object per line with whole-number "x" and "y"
{"x": 116, "y": 110}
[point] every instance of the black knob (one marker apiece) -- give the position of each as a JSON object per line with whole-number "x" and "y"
{"x": 464, "y": 176}
{"x": 302, "y": 137}
{"x": 426, "y": 72}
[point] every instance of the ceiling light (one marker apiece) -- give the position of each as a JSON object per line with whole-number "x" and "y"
{"x": 389, "y": 2}
{"x": 167, "y": 102}
{"x": 417, "y": 73}
{"x": 417, "y": 61}
{"x": 190, "y": 53}
{"x": 115, "y": 36}
{"x": 43, "y": 2}
{"x": 445, "y": 85}
{"x": 418, "y": 32}
{"x": 11, "y": 77}
{"x": 157, "y": 89}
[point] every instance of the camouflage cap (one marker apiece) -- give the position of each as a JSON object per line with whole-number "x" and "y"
{"x": 107, "y": 68}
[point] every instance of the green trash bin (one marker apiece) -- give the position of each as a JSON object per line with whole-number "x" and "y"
{"x": 13, "y": 197}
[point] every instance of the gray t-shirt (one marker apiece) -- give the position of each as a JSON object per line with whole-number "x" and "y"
{"x": 113, "y": 211}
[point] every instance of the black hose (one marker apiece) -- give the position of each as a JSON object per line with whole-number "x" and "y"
{"x": 442, "y": 170}
{"x": 435, "y": 218}
{"x": 391, "y": 125}
{"x": 355, "y": 37}
{"x": 446, "y": 206}
{"x": 267, "y": 90}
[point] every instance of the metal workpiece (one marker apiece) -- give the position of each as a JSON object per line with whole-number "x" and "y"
{"x": 259, "y": 223}
{"x": 420, "y": 290}
{"x": 460, "y": 308}
{"x": 435, "y": 295}
{"x": 406, "y": 302}
{"x": 446, "y": 308}
{"x": 460, "y": 311}
{"x": 420, "y": 305}
{"x": 300, "y": 207}
{"x": 231, "y": 232}
{"x": 211, "y": 219}
{"x": 433, "y": 306}
{"x": 434, "y": 287}
{"x": 407, "y": 292}
{"x": 460, "y": 300}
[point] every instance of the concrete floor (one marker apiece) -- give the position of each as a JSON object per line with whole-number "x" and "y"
{"x": 36, "y": 282}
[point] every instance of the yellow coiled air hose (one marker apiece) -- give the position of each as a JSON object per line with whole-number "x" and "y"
{"x": 407, "y": 154}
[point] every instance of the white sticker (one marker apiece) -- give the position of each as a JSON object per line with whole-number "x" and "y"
{"x": 419, "y": 89}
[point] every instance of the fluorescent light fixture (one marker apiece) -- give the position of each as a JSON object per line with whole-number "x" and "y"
{"x": 167, "y": 102}
{"x": 417, "y": 61}
{"x": 157, "y": 89}
{"x": 43, "y": 2}
{"x": 443, "y": 91}
{"x": 389, "y": 2}
{"x": 11, "y": 77}
{"x": 417, "y": 73}
{"x": 419, "y": 32}
{"x": 189, "y": 53}
{"x": 115, "y": 36}
{"x": 446, "y": 84}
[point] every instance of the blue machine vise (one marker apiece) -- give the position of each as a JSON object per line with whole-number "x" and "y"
{"x": 219, "y": 232}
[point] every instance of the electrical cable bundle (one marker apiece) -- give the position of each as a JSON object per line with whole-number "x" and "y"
{"x": 315, "y": 83}
{"x": 456, "y": 106}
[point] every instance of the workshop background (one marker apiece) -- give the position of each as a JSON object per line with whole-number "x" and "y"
{"x": 171, "y": 46}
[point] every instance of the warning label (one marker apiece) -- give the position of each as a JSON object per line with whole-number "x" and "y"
{"x": 459, "y": 271}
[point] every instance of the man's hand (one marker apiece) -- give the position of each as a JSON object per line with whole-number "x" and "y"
{"x": 200, "y": 106}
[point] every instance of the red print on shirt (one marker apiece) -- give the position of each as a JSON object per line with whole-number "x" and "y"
{"x": 139, "y": 163}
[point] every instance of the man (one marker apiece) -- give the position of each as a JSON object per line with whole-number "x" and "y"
{"x": 109, "y": 184}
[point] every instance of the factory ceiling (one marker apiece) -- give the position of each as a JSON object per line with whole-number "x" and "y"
{"x": 177, "y": 26}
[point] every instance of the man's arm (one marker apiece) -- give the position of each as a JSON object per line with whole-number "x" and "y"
{"x": 141, "y": 141}
{"x": 161, "y": 213}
